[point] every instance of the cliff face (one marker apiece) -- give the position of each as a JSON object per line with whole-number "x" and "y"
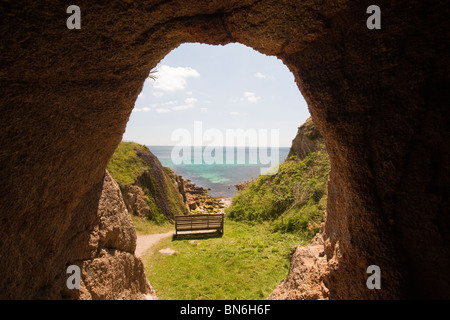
{"x": 149, "y": 190}
{"x": 308, "y": 139}
{"x": 113, "y": 272}
{"x": 104, "y": 251}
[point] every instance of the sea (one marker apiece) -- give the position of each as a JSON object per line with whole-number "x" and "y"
{"x": 219, "y": 169}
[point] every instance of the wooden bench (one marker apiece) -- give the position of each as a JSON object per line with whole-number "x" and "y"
{"x": 197, "y": 222}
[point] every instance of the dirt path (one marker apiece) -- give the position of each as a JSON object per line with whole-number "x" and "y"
{"x": 144, "y": 243}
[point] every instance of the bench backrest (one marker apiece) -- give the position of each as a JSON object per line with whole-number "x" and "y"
{"x": 199, "y": 221}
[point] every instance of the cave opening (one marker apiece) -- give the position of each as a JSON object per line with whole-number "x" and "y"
{"x": 218, "y": 96}
{"x": 202, "y": 103}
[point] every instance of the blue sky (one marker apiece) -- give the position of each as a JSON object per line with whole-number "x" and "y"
{"x": 222, "y": 87}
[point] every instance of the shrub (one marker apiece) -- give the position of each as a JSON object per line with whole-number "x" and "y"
{"x": 293, "y": 199}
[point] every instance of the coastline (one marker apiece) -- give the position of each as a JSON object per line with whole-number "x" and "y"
{"x": 198, "y": 199}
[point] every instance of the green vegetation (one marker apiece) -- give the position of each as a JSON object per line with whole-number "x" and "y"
{"x": 145, "y": 226}
{"x": 311, "y": 131}
{"x": 293, "y": 199}
{"x": 267, "y": 219}
{"x": 125, "y": 165}
{"x": 248, "y": 262}
{"x": 145, "y": 172}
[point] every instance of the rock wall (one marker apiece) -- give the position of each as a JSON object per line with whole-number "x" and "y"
{"x": 378, "y": 97}
{"x": 155, "y": 192}
{"x": 103, "y": 249}
{"x": 307, "y": 270}
{"x": 113, "y": 272}
{"x": 308, "y": 139}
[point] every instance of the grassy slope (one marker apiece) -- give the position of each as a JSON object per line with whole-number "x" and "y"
{"x": 248, "y": 262}
{"x": 293, "y": 199}
{"x": 125, "y": 166}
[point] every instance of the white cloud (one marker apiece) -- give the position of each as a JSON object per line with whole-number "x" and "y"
{"x": 204, "y": 109}
{"x": 158, "y": 94}
{"x": 260, "y": 75}
{"x": 145, "y": 109}
{"x": 183, "y": 107}
{"x": 162, "y": 110}
{"x": 169, "y": 103}
{"x": 163, "y": 104}
{"x": 141, "y": 95}
{"x": 235, "y": 113}
{"x": 190, "y": 100}
{"x": 250, "y": 97}
{"x": 171, "y": 79}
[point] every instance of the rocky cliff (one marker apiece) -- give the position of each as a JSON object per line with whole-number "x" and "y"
{"x": 113, "y": 271}
{"x": 149, "y": 190}
{"x": 308, "y": 139}
{"x": 103, "y": 250}
{"x": 294, "y": 198}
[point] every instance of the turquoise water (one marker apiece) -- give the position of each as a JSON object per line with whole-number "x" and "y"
{"x": 222, "y": 175}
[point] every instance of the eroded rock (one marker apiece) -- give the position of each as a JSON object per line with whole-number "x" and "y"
{"x": 112, "y": 271}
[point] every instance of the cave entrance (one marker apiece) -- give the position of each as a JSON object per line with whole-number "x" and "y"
{"x": 216, "y": 99}
{"x": 201, "y": 103}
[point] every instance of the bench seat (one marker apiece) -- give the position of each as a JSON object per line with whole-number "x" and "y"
{"x": 197, "y": 222}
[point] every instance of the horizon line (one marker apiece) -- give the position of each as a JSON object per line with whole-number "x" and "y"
{"x": 166, "y": 145}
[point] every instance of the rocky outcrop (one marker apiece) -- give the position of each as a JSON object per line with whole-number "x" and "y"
{"x": 308, "y": 266}
{"x": 199, "y": 201}
{"x": 179, "y": 183}
{"x": 306, "y": 273}
{"x": 156, "y": 191}
{"x": 308, "y": 139}
{"x": 378, "y": 97}
{"x": 114, "y": 272}
{"x": 104, "y": 251}
{"x": 136, "y": 201}
{"x": 242, "y": 186}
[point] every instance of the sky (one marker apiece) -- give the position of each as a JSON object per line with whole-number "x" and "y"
{"x": 203, "y": 92}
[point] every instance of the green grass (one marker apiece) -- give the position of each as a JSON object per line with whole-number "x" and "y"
{"x": 145, "y": 226}
{"x": 293, "y": 199}
{"x": 125, "y": 165}
{"x": 248, "y": 262}
{"x": 161, "y": 195}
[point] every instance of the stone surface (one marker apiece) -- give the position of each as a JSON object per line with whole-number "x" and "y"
{"x": 135, "y": 200}
{"x": 378, "y": 97}
{"x": 306, "y": 272}
{"x": 308, "y": 139}
{"x": 114, "y": 272}
{"x": 155, "y": 191}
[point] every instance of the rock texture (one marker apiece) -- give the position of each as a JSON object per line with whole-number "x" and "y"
{"x": 199, "y": 201}
{"x": 155, "y": 189}
{"x": 308, "y": 139}
{"x": 378, "y": 97}
{"x": 104, "y": 251}
{"x": 114, "y": 272}
{"x": 306, "y": 273}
